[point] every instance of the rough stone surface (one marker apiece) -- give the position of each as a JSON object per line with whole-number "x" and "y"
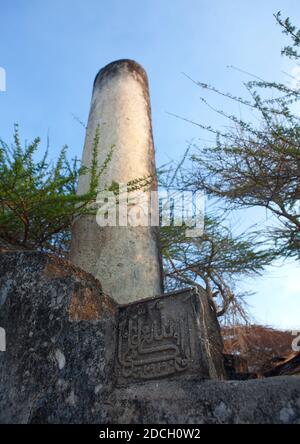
{"x": 59, "y": 363}
{"x": 260, "y": 401}
{"x": 126, "y": 258}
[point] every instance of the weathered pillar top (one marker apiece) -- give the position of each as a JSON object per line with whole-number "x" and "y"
{"x": 118, "y": 66}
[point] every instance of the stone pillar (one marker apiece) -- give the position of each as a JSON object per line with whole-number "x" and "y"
{"x": 125, "y": 259}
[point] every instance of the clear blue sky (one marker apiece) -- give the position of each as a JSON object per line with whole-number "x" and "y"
{"x": 52, "y": 49}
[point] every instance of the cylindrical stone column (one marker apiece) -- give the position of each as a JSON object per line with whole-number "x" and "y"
{"x": 125, "y": 259}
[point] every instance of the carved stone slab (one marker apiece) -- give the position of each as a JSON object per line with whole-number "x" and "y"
{"x": 174, "y": 335}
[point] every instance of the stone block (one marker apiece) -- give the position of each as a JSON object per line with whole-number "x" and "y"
{"x": 174, "y": 335}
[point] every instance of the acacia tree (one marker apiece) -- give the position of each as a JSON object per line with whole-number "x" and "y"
{"x": 217, "y": 259}
{"x": 38, "y": 199}
{"x": 258, "y": 165}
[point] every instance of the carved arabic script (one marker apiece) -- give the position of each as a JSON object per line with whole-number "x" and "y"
{"x": 153, "y": 344}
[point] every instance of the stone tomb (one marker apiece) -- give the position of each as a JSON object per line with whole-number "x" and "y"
{"x": 74, "y": 356}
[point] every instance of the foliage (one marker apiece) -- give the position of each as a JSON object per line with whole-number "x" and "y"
{"x": 258, "y": 164}
{"x": 38, "y": 199}
{"x": 216, "y": 260}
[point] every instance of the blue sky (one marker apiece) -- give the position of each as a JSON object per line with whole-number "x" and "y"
{"x": 52, "y": 50}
